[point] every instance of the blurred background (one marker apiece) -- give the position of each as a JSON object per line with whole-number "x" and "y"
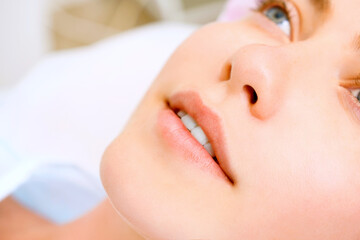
{"x": 32, "y": 28}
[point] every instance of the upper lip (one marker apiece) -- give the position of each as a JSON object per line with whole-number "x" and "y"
{"x": 208, "y": 120}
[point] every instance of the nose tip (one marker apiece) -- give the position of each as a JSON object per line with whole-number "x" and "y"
{"x": 257, "y": 71}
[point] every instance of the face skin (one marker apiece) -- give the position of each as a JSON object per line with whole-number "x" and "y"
{"x": 293, "y": 155}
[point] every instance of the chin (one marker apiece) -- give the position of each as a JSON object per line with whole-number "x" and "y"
{"x": 151, "y": 191}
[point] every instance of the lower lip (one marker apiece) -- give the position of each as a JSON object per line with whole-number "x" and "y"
{"x": 178, "y": 138}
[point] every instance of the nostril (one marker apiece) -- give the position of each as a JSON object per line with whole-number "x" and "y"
{"x": 253, "y": 97}
{"x": 225, "y": 73}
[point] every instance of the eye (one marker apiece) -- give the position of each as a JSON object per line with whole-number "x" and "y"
{"x": 356, "y": 93}
{"x": 280, "y": 17}
{"x": 283, "y": 13}
{"x": 350, "y": 89}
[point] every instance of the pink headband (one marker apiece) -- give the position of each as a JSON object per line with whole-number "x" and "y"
{"x": 235, "y": 10}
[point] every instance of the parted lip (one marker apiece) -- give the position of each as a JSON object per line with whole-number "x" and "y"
{"x": 208, "y": 120}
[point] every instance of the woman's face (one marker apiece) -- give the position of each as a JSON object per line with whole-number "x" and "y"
{"x": 281, "y": 113}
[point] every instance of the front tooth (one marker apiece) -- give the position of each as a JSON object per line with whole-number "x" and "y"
{"x": 209, "y": 149}
{"x": 181, "y": 114}
{"x": 199, "y": 135}
{"x": 189, "y": 122}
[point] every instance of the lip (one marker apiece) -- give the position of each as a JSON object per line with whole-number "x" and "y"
{"x": 180, "y": 139}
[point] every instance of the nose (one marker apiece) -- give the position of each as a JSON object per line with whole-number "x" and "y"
{"x": 260, "y": 73}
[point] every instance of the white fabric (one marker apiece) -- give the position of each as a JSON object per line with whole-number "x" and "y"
{"x": 71, "y": 106}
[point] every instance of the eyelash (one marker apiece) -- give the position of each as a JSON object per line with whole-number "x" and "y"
{"x": 351, "y": 83}
{"x": 262, "y": 5}
{"x": 353, "y": 103}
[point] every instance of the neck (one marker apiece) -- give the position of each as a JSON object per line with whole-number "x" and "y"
{"x": 101, "y": 223}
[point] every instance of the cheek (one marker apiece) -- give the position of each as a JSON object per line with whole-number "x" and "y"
{"x": 302, "y": 179}
{"x": 309, "y": 195}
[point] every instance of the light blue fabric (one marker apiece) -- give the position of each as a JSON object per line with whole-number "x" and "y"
{"x": 60, "y": 193}
{"x": 13, "y": 170}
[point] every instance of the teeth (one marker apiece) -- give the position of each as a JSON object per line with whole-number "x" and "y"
{"x": 181, "y": 114}
{"x": 196, "y": 131}
{"x": 209, "y": 149}
{"x": 199, "y": 135}
{"x": 189, "y": 122}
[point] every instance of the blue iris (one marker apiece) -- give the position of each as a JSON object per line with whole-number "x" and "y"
{"x": 277, "y": 14}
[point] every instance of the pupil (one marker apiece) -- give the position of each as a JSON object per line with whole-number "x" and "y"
{"x": 277, "y": 14}
{"x": 358, "y": 96}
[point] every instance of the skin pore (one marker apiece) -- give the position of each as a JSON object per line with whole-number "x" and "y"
{"x": 291, "y": 153}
